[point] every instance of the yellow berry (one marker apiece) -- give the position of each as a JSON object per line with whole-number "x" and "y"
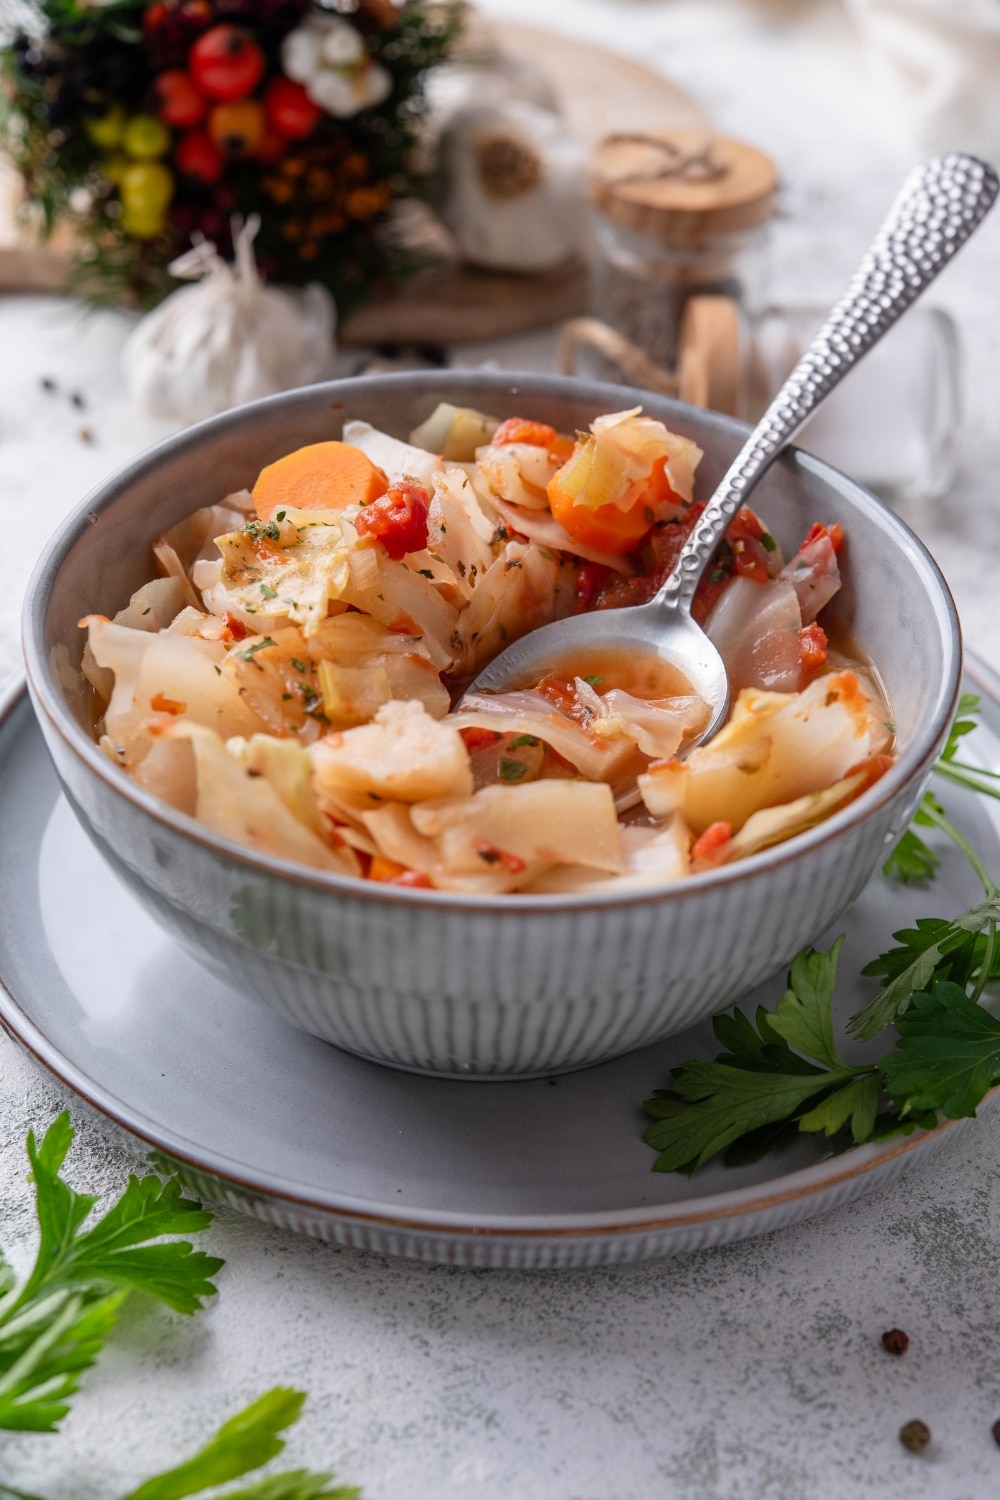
{"x": 145, "y": 138}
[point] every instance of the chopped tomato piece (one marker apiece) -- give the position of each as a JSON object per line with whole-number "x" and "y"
{"x": 834, "y": 532}
{"x": 164, "y": 705}
{"x": 537, "y": 434}
{"x": 397, "y": 519}
{"x": 388, "y": 872}
{"x": 477, "y": 739}
{"x": 812, "y": 647}
{"x": 707, "y": 847}
{"x": 512, "y": 863}
{"x": 521, "y": 430}
{"x": 561, "y": 691}
{"x": 588, "y": 583}
{"x": 236, "y": 628}
{"x": 745, "y": 535}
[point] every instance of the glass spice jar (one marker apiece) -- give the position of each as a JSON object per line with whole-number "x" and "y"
{"x": 677, "y": 213}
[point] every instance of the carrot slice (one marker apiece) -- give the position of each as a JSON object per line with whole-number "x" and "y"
{"x": 323, "y": 476}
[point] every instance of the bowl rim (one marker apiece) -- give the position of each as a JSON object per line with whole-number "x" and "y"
{"x": 48, "y": 698}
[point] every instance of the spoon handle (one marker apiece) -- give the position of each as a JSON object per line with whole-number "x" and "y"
{"x": 940, "y": 204}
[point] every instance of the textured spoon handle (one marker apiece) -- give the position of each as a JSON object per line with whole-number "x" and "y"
{"x": 938, "y": 207}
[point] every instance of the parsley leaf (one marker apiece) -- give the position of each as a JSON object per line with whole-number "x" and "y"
{"x": 947, "y": 1056}
{"x": 772, "y": 1070}
{"x": 911, "y": 860}
{"x": 520, "y": 740}
{"x": 54, "y": 1326}
{"x": 246, "y": 1442}
{"x": 512, "y": 770}
{"x": 935, "y": 949}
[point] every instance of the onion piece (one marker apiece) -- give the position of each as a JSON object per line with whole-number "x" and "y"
{"x": 756, "y": 629}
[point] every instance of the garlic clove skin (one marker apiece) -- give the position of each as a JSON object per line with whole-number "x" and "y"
{"x": 515, "y": 180}
{"x": 227, "y": 340}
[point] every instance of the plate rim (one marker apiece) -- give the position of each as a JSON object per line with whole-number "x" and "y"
{"x": 736, "y": 1203}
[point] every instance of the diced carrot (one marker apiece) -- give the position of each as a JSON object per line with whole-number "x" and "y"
{"x": 706, "y": 848}
{"x": 322, "y": 476}
{"x": 388, "y": 872}
{"x": 608, "y": 527}
{"x": 812, "y": 647}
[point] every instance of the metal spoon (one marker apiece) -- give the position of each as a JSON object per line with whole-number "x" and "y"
{"x": 937, "y": 209}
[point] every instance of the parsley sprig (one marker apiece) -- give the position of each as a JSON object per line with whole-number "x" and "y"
{"x": 247, "y": 1442}
{"x": 54, "y": 1326}
{"x": 782, "y": 1073}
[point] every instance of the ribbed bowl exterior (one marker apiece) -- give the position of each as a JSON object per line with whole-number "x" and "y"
{"x": 452, "y": 990}
{"x": 482, "y": 987}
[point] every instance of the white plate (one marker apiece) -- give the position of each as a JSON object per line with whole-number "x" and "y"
{"x": 542, "y": 1174}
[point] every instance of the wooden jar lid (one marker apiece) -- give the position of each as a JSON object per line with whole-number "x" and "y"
{"x": 682, "y": 186}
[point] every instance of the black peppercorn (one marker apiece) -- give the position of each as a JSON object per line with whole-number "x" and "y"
{"x": 915, "y": 1435}
{"x": 895, "y": 1341}
{"x": 995, "y": 1429}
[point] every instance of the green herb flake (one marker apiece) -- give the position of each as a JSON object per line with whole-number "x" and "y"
{"x": 520, "y": 740}
{"x": 594, "y": 682}
{"x": 146, "y": 610}
{"x": 716, "y": 575}
{"x": 251, "y": 651}
{"x": 280, "y": 516}
{"x": 768, "y": 543}
{"x": 299, "y": 666}
{"x": 512, "y": 770}
{"x": 268, "y": 592}
{"x": 257, "y": 529}
{"x": 426, "y": 573}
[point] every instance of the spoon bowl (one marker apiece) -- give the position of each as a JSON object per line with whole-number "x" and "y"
{"x": 939, "y": 206}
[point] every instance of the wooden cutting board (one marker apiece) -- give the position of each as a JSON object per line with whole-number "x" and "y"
{"x": 598, "y": 92}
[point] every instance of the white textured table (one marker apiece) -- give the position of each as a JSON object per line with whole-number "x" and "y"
{"x": 749, "y": 1373}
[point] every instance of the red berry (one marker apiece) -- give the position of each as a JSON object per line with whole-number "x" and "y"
{"x": 198, "y": 156}
{"x": 226, "y": 63}
{"x": 272, "y": 146}
{"x": 290, "y": 110}
{"x": 178, "y": 102}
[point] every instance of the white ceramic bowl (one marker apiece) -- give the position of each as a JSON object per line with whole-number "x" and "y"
{"x": 503, "y": 986}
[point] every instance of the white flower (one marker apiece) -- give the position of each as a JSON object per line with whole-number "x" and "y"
{"x": 328, "y": 57}
{"x": 342, "y": 46}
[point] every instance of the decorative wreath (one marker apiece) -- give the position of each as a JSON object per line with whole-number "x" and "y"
{"x": 146, "y": 127}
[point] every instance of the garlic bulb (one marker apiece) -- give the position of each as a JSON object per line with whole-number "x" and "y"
{"x": 227, "y": 340}
{"x": 514, "y": 186}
